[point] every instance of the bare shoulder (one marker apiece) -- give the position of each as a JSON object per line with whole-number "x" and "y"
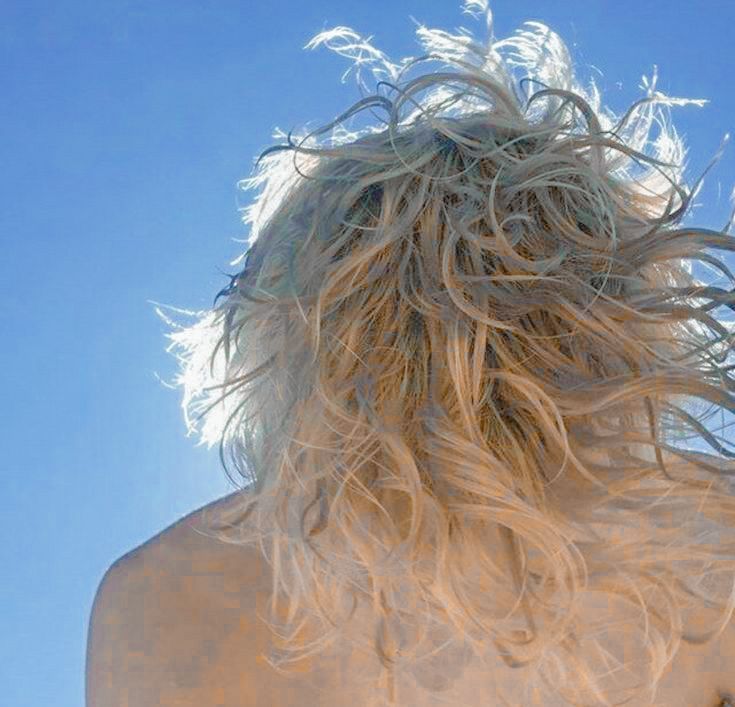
{"x": 166, "y": 614}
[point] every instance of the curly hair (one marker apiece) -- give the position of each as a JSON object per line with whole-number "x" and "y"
{"x": 457, "y": 368}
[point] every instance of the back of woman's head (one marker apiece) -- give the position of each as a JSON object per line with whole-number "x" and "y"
{"x": 457, "y": 358}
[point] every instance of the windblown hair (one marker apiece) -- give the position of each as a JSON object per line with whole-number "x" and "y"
{"x": 455, "y": 365}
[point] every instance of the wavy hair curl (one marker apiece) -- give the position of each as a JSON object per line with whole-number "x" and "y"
{"x": 458, "y": 364}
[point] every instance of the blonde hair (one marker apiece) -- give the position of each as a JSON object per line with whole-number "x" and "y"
{"x": 455, "y": 363}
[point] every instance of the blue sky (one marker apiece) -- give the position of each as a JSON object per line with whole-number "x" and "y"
{"x": 124, "y": 129}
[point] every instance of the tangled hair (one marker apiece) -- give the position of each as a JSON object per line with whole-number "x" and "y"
{"x": 453, "y": 370}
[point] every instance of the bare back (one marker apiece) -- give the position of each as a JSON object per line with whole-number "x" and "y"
{"x": 192, "y": 637}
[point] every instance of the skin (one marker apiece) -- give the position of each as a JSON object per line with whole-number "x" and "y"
{"x": 175, "y": 624}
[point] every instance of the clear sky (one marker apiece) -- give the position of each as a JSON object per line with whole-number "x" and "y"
{"x": 123, "y": 131}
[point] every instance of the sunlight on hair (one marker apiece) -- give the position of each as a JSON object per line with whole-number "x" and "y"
{"x": 461, "y": 370}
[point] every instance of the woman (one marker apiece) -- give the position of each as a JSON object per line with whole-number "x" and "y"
{"x": 451, "y": 372}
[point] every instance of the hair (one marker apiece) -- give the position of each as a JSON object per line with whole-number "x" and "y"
{"x": 455, "y": 365}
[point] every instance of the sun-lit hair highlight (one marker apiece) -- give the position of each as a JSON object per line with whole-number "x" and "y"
{"x": 457, "y": 368}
